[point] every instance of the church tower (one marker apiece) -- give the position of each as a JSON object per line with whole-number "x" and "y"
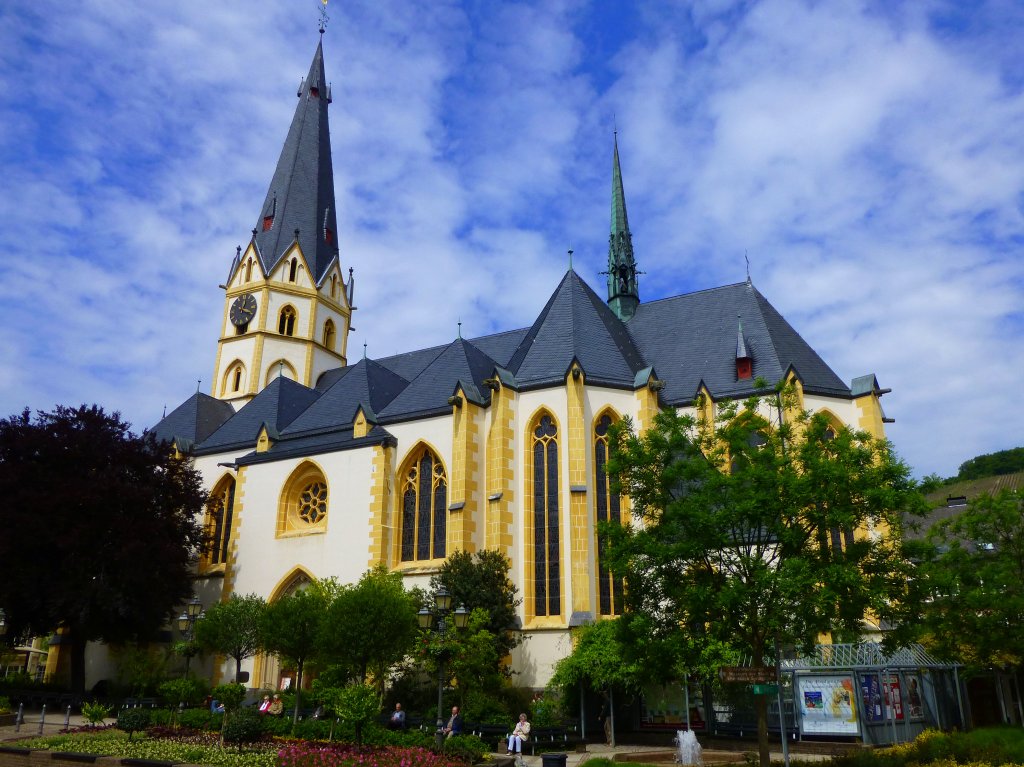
{"x": 287, "y": 307}
{"x": 623, "y": 293}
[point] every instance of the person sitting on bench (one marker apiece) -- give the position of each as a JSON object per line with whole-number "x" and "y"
{"x": 519, "y": 735}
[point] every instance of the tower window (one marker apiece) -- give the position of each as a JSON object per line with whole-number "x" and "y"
{"x": 424, "y": 505}
{"x": 286, "y": 322}
{"x": 268, "y": 223}
{"x": 334, "y": 286}
{"x": 234, "y": 378}
{"x": 248, "y": 271}
{"x": 314, "y": 92}
{"x": 293, "y": 271}
{"x": 328, "y": 235}
{"x": 547, "y": 589}
{"x": 329, "y": 335}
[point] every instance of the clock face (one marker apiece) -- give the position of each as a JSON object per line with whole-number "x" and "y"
{"x": 243, "y": 309}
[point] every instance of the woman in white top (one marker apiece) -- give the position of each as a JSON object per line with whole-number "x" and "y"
{"x": 519, "y": 735}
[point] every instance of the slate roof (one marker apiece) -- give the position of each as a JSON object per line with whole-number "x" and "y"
{"x": 367, "y": 383}
{"x": 576, "y": 324}
{"x": 301, "y": 194}
{"x": 685, "y": 341}
{"x": 461, "y": 363}
{"x": 692, "y": 338}
{"x": 277, "y": 405}
{"x": 193, "y": 420}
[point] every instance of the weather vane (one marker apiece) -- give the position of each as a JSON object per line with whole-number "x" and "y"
{"x": 324, "y": 18}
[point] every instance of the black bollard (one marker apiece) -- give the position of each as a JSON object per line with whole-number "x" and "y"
{"x": 42, "y": 719}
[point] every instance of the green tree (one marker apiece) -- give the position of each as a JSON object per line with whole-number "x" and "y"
{"x": 357, "y": 704}
{"x": 975, "y": 577}
{"x": 232, "y": 628}
{"x": 371, "y": 626}
{"x": 599, "y": 659}
{"x": 292, "y": 629}
{"x": 118, "y": 513}
{"x": 763, "y": 525}
{"x": 480, "y": 580}
{"x": 993, "y": 464}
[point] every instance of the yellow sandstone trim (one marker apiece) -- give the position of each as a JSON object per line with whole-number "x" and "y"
{"x": 578, "y": 529}
{"x": 500, "y": 473}
{"x": 647, "y": 408}
{"x": 237, "y": 515}
{"x": 462, "y": 522}
{"x": 383, "y": 545}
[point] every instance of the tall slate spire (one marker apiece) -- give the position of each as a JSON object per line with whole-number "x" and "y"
{"x": 623, "y": 294}
{"x": 301, "y": 195}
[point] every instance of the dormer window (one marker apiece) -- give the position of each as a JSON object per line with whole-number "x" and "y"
{"x": 314, "y": 92}
{"x": 328, "y": 236}
{"x": 744, "y": 368}
{"x": 268, "y": 223}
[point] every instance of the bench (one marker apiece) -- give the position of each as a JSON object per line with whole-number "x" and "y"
{"x": 547, "y": 738}
{"x": 492, "y": 733}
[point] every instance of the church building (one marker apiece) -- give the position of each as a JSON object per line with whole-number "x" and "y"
{"x": 321, "y": 467}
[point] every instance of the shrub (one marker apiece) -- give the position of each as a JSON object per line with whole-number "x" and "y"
{"x": 132, "y": 720}
{"x": 243, "y": 726}
{"x": 5, "y": 705}
{"x": 95, "y": 712}
{"x": 465, "y": 748}
{"x": 189, "y": 691}
{"x": 199, "y": 719}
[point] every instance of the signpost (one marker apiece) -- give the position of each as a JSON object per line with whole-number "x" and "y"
{"x": 747, "y": 674}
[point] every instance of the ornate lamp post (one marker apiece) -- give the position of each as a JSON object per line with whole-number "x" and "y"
{"x": 187, "y": 624}
{"x": 436, "y": 622}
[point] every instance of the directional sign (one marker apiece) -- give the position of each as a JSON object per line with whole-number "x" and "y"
{"x": 747, "y": 674}
{"x": 765, "y": 689}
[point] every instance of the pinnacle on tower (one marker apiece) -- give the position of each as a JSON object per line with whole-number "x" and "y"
{"x": 623, "y": 294}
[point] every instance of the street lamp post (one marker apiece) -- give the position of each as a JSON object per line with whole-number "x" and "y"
{"x": 187, "y": 625}
{"x": 436, "y": 622}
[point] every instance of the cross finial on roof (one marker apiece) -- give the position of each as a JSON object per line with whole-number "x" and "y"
{"x": 165, "y": 410}
{"x": 748, "y": 263}
{"x": 199, "y": 381}
{"x": 364, "y": 350}
{"x": 570, "y": 258}
{"x": 460, "y": 328}
{"x": 324, "y": 18}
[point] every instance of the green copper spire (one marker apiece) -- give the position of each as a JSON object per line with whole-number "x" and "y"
{"x": 623, "y": 295}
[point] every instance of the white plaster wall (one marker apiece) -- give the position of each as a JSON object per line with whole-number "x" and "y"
{"x": 536, "y": 657}
{"x": 264, "y": 561}
{"x": 844, "y": 409}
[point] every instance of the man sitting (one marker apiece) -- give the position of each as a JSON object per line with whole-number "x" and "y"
{"x": 397, "y": 720}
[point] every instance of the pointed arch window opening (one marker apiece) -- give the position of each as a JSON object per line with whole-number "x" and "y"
{"x": 424, "y": 506}
{"x": 286, "y": 322}
{"x": 248, "y": 271}
{"x": 219, "y": 518}
{"x": 268, "y": 223}
{"x": 234, "y": 382}
{"x": 608, "y": 508}
{"x": 329, "y": 335}
{"x": 293, "y": 270}
{"x": 547, "y": 596}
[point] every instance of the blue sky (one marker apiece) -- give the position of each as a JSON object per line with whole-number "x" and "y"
{"x": 867, "y": 157}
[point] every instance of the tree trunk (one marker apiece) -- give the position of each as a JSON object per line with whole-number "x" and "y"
{"x": 761, "y": 705}
{"x": 238, "y": 669}
{"x": 77, "y": 643}
{"x": 298, "y": 693}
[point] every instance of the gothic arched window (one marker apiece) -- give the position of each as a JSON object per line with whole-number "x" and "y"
{"x": 219, "y": 513}
{"x": 424, "y": 506}
{"x": 329, "y": 335}
{"x": 304, "y": 502}
{"x": 607, "y": 508}
{"x": 547, "y": 589}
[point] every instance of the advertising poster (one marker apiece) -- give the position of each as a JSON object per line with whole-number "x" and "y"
{"x": 915, "y": 707}
{"x": 827, "y": 704}
{"x": 894, "y": 701}
{"x": 871, "y": 691}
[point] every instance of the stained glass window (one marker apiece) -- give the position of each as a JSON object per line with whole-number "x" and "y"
{"x": 547, "y": 583}
{"x": 424, "y": 508}
{"x": 607, "y": 508}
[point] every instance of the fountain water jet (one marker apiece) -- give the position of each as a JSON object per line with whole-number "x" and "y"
{"x": 688, "y": 749}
